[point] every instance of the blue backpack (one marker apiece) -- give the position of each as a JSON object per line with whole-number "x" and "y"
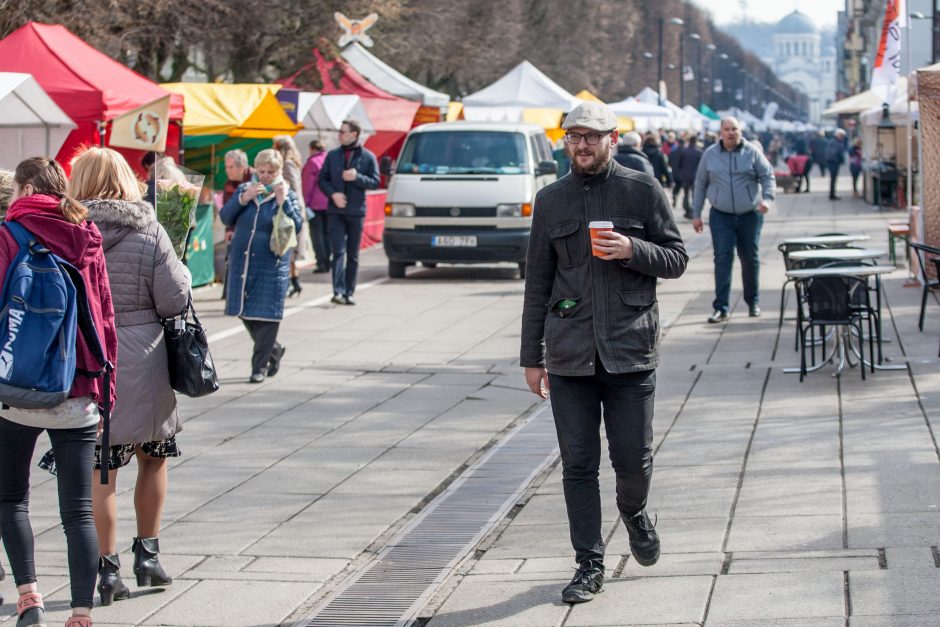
{"x": 43, "y": 305}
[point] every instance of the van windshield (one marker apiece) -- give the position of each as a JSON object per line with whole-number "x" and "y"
{"x": 464, "y": 152}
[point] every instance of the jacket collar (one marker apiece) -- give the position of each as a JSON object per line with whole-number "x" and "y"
{"x": 737, "y": 148}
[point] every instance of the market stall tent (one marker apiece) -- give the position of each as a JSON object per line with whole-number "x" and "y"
{"x": 861, "y": 102}
{"x": 391, "y": 116}
{"x": 523, "y": 87}
{"x": 646, "y": 116}
{"x": 624, "y": 123}
{"x": 390, "y": 79}
{"x": 223, "y": 117}
{"x": 31, "y": 123}
{"x": 322, "y": 117}
{"x": 89, "y": 86}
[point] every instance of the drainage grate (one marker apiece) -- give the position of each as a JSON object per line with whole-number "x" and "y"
{"x": 392, "y": 588}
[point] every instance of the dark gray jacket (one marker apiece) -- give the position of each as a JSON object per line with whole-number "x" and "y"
{"x": 616, "y": 315}
{"x": 630, "y": 157}
{"x": 734, "y": 181}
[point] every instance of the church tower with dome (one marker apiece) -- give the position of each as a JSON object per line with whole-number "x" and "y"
{"x": 801, "y": 59}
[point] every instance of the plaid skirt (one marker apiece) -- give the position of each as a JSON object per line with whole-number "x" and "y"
{"x": 121, "y": 454}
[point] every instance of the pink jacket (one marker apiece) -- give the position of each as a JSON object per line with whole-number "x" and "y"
{"x": 313, "y": 196}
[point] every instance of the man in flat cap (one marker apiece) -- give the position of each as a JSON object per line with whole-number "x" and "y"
{"x": 590, "y": 331}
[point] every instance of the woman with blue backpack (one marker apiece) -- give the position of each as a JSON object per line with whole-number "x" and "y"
{"x": 55, "y": 221}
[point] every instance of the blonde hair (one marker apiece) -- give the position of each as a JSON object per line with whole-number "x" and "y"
{"x": 6, "y": 190}
{"x": 285, "y": 145}
{"x": 269, "y": 156}
{"x": 104, "y": 173}
{"x": 47, "y": 177}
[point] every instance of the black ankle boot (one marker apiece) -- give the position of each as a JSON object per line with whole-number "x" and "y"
{"x": 110, "y": 586}
{"x": 147, "y": 565}
{"x": 295, "y": 287}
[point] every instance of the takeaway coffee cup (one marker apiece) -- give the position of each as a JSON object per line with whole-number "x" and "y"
{"x": 595, "y": 228}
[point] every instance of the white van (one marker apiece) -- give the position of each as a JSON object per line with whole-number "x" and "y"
{"x": 462, "y": 192}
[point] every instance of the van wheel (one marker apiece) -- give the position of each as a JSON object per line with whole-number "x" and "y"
{"x": 396, "y": 269}
{"x": 522, "y": 270}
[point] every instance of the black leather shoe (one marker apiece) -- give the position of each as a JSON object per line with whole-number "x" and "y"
{"x": 320, "y": 270}
{"x": 718, "y": 316}
{"x": 586, "y": 583}
{"x": 274, "y": 364}
{"x": 644, "y": 541}
{"x": 754, "y": 311}
{"x": 834, "y": 198}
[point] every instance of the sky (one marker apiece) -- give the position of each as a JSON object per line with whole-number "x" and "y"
{"x": 823, "y": 12}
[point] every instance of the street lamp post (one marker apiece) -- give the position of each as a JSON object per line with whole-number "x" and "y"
{"x": 711, "y": 48}
{"x": 659, "y": 61}
{"x": 698, "y": 61}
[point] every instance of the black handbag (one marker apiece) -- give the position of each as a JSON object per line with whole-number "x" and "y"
{"x": 192, "y": 372}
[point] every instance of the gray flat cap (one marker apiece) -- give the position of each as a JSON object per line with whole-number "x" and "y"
{"x": 593, "y": 115}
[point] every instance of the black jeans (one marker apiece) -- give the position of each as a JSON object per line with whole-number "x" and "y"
{"x": 264, "y": 334}
{"x": 74, "y": 453}
{"x": 320, "y": 239}
{"x": 345, "y": 236}
{"x": 626, "y": 402}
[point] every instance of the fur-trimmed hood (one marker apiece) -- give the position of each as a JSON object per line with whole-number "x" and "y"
{"x": 106, "y": 211}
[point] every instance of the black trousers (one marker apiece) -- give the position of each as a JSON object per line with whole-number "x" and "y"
{"x": 320, "y": 239}
{"x": 625, "y": 401}
{"x": 345, "y": 236}
{"x": 264, "y": 334}
{"x": 74, "y": 455}
{"x": 833, "y": 175}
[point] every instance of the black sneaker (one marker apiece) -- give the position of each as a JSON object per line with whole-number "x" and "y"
{"x": 587, "y": 582}
{"x": 644, "y": 541}
{"x": 718, "y": 316}
{"x": 274, "y": 364}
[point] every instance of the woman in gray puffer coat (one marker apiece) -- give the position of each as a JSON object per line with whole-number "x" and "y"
{"x": 148, "y": 283}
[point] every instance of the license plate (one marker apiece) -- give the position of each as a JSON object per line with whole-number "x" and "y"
{"x": 454, "y": 240}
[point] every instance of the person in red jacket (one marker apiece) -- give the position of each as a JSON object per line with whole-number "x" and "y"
{"x": 41, "y": 205}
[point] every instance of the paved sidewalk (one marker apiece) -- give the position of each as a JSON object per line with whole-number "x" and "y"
{"x": 778, "y": 503}
{"x": 781, "y": 502}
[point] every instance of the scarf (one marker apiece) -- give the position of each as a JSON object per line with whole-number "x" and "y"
{"x": 34, "y": 204}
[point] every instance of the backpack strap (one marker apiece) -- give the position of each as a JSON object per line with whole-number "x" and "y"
{"x": 86, "y": 325}
{"x": 23, "y": 237}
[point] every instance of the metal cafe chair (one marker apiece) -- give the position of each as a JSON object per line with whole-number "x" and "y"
{"x": 827, "y": 301}
{"x": 924, "y": 254}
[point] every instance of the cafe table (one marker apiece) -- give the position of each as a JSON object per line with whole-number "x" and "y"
{"x": 837, "y": 254}
{"x": 827, "y": 240}
{"x": 861, "y": 271}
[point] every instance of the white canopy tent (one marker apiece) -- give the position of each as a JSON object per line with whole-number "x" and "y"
{"x": 523, "y": 87}
{"x": 322, "y": 115}
{"x": 390, "y": 79}
{"x": 862, "y": 101}
{"x": 31, "y": 123}
{"x": 645, "y": 116}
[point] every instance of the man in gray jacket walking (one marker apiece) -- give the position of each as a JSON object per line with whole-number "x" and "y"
{"x": 739, "y": 184}
{"x": 590, "y": 331}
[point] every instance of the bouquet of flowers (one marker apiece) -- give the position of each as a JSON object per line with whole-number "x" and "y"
{"x": 177, "y": 193}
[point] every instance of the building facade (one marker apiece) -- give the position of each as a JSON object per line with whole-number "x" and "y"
{"x": 806, "y": 62}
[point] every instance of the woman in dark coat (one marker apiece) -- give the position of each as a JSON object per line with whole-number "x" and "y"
{"x": 257, "y": 278}
{"x": 655, "y": 154}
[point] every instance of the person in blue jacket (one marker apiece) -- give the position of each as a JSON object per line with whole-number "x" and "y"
{"x": 257, "y": 279}
{"x": 347, "y": 173}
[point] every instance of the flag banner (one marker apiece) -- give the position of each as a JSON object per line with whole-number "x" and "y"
{"x": 687, "y": 73}
{"x": 887, "y": 68}
{"x": 289, "y": 99}
{"x": 717, "y": 88}
{"x": 143, "y": 128}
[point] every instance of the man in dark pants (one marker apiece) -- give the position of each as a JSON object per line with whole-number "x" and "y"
{"x": 347, "y": 173}
{"x": 596, "y": 344}
{"x": 739, "y": 183}
{"x": 835, "y": 157}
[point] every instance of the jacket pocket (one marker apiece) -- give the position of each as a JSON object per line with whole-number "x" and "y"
{"x": 628, "y": 225}
{"x": 561, "y": 306}
{"x": 568, "y": 244}
{"x": 635, "y": 327}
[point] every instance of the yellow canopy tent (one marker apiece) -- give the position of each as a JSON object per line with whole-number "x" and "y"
{"x": 222, "y": 117}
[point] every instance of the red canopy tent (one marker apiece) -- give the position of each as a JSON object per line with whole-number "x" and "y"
{"x": 91, "y": 87}
{"x": 392, "y": 116}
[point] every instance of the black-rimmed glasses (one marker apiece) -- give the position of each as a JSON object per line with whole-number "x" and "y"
{"x": 592, "y": 139}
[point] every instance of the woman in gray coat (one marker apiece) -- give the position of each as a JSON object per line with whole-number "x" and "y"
{"x": 148, "y": 283}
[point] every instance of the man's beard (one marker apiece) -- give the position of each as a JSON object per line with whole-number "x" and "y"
{"x": 596, "y": 165}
